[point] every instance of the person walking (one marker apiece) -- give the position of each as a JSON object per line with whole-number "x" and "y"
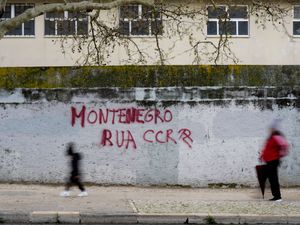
{"x": 275, "y": 148}
{"x": 75, "y": 172}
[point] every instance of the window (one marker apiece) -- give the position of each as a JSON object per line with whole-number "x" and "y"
{"x": 139, "y": 20}
{"x": 296, "y": 21}
{"x": 13, "y": 10}
{"x": 66, "y": 23}
{"x": 231, "y": 20}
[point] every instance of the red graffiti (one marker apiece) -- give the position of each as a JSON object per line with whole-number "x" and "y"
{"x": 168, "y": 136}
{"x": 92, "y": 117}
{"x": 124, "y": 138}
{"x": 120, "y": 139}
{"x": 159, "y": 136}
{"x": 80, "y": 115}
{"x": 185, "y": 135}
{"x": 106, "y": 138}
{"x": 121, "y": 116}
{"x": 145, "y": 136}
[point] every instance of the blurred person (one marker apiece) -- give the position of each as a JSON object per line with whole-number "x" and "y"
{"x": 275, "y": 148}
{"x": 75, "y": 178}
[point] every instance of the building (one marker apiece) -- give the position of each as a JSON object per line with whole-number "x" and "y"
{"x": 254, "y": 40}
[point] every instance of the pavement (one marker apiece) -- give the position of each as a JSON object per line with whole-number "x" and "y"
{"x": 146, "y": 205}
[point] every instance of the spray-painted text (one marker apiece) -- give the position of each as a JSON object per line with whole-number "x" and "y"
{"x": 125, "y": 138}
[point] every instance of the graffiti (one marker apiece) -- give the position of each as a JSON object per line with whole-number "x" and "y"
{"x": 167, "y": 136}
{"x": 121, "y": 116}
{"x": 186, "y": 136}
{"x": 120, "y": 139}
{"x": 125, "y": 138}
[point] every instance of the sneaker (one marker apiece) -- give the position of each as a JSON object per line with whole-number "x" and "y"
{"x": 83, "y": 194}
{"x": 65, "y": 194}
{"x": 275, "y": 199}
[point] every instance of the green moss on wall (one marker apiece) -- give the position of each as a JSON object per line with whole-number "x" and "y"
{"x": 149, "y": 76}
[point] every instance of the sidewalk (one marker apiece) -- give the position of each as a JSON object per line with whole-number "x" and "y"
{"x": 129, "y": 205}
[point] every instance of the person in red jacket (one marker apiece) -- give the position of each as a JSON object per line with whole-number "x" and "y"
{"x": 274, "y": 149}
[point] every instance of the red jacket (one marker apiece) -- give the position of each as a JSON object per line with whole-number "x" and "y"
{"x": 275, "y": 148}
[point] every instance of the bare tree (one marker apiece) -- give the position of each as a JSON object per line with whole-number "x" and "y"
{"x": 181, "y": 19}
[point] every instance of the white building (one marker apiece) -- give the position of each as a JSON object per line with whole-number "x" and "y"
{"x": 254, "y": 40}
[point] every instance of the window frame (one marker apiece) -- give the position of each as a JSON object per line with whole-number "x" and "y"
{"x": 236, "y": 20}
{"x": 13, "y": 14}
{"x": 140, "y": 18}
{"x": 65, "y": 18}
{"x": 295, "y": 20}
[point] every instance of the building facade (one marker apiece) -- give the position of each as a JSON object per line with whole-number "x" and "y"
{"x": 48, "y": 40}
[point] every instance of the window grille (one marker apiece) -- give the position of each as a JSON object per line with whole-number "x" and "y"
{"x": 66, "y": 23}
{"x": 13, "y": 10}
{"x": 139, "y": 20}
{"x": 224, "y": 20}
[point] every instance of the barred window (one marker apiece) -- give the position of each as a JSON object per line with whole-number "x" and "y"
{"x": 13, "y": 10}
{"x": 231, "y": 20}
{"x": 296, "y": 21}
{"x": 66, "y": 23}
{"x": 140, "y": 20}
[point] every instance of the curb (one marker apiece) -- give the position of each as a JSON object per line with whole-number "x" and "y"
{"x": 68, "y": 217}
{"x": 108, "y": 218}
{"x": 135, "y": 218}
{"x": 43, "y": 217}
{"x": 14, "y": 217}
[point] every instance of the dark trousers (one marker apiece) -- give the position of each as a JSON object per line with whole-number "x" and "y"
{"x": 74, "y": 180}
{"x": 272, "y": 171}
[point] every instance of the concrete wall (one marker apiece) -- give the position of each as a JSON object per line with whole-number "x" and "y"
{"x": 268, "y": 46}
{"x": 212, "y": 134}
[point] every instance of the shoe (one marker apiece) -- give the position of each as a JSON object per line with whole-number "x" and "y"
{"x": 82, "y": 194}
{"x": 65, "y": 194}
{"x": 275, "y": 199}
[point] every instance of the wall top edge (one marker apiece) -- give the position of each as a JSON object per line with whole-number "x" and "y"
{"x": 172, "y": 95}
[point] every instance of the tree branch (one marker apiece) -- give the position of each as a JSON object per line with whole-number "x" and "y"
{"x": 2, "y": 7}
{"x": 83, "y": 6}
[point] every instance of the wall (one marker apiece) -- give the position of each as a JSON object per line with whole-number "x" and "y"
{"x": 269, "y": 46}
{"x": 194, "y": 136}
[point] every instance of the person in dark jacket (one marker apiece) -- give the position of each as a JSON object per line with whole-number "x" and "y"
{"x": 75, "y": 172}
{"x": 274, "y": 149}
